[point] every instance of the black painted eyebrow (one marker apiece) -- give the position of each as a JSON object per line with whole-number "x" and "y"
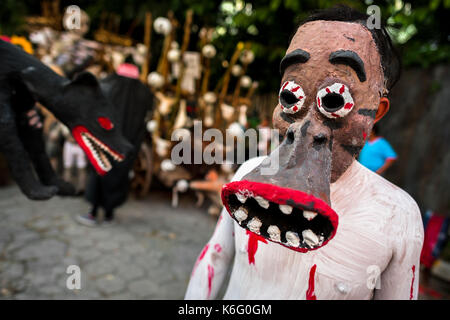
{"x": 296, "y": 56}
{"x": 351, "y": 59}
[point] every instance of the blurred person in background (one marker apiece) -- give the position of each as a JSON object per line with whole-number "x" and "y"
{"x": 377, "y": 154}
{"x": 73, "y": 158}
{"x": 131, "y": 100}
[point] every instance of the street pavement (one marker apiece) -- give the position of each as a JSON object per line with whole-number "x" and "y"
{"x": 148, "y": 254}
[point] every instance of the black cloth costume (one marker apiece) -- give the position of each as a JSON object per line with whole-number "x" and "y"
{"x": 131, "y": 100}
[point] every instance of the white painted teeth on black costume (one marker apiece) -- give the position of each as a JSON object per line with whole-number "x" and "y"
{"x": 98, "y": 150}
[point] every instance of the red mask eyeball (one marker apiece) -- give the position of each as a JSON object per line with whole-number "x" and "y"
{"x": 335, "y": 101}
{"x": 105, "y": 123}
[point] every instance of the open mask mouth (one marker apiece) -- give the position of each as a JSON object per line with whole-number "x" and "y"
{"x": 99, "y": 154}
{"x": 294, "y": 219}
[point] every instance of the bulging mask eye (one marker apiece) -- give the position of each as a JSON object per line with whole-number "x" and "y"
{"x": 335, "y": 101}
{"x": 291, "y": 97}
{"x": 105, "y": 123}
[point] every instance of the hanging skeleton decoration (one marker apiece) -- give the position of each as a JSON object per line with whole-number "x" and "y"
{"x": 322, "y": 226}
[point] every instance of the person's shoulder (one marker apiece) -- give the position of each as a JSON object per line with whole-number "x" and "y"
{"x": 247, "y": 166}
{"x": 394, "y": 198}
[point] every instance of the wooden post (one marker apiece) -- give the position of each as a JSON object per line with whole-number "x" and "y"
{"x": 184, "y": 47}
{"x": 147, "y": 43}
{"x": 226, "y": 80}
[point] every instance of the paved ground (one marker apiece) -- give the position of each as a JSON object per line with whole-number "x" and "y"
{"x": 149, "y": 254}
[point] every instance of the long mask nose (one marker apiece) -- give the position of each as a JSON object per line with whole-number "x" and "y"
{"x": 292, "y": 206}
{"x": 304, "y": 161}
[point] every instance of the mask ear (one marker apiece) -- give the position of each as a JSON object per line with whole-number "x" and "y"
{"x": 85, "y": 78}
{"x": 383, "y": 108}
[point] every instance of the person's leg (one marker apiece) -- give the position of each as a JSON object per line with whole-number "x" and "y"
{"x": 109, "y": 215}
{"x": 89, "y": 219}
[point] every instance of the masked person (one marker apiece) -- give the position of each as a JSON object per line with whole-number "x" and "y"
{"x": 320, "y": 225}
{"x": 131, "y": 100}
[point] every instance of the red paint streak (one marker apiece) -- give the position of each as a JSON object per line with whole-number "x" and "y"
{"x": 284, "y": 86}
{"x": 295, "y": 108}
{"x": 412, "y": 282}
{"x": 335, "y": 115}
{"x": 318, "y": 101}
{"x": 200, "y": 258}
{"x": 310, "y": 294}
{"x": 105, "y": 123}
{"x": 218, "y": 247}
{"x": 252, "y": 246}
{"x": 210, "y": 279}
{"x": 342, "y": 89}
{"x": 295, "y": 89}
{"x": 348, "y": 105}
{"x": 300, "y": 98}
{"x": 328, "y": 90}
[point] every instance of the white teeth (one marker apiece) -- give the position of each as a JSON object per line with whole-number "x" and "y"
{"x": 321, "y": 238}
{"x": 286, "y": 209}
{"x": 309, "y": 215}
{"x": 254, "y": 225}
{"x": 262, "y": 202}
{"x": 241, "y": 214}
{"x": 241, "y": 197}
{"x": 310, "y": 238}
{"x": 274, "y": 233}
{"x": 292, "y": 239}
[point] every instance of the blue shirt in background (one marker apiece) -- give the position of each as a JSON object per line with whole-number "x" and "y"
{"x": 375, "y": 153}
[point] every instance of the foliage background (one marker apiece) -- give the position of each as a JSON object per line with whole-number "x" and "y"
{"x": 420, "y": 29}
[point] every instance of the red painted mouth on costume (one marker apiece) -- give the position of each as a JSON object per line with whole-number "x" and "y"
{"x": 294, "y": 219}
{"x": 98, "y": 153}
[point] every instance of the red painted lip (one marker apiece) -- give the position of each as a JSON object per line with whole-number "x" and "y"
{"x": 283, "y": 196}
{"x": 78, "y": 132}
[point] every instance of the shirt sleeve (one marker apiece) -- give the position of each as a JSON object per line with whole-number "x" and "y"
{"x": 388, "y": 151}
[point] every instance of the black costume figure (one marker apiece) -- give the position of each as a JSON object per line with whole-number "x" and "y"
{"x": 132, "y": 100}
{"x": 78, "y": 103}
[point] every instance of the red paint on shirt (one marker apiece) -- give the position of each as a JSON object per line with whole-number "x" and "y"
{"x": 218, "y": 247}
{"x": 341, "y": 90}
{"x": 310, "y": 294}
{"x": 200, "y": 258}
{"x": 252, "y": 246}
{"x": 210, "y": 278}
{"x": 412, "y": 281}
